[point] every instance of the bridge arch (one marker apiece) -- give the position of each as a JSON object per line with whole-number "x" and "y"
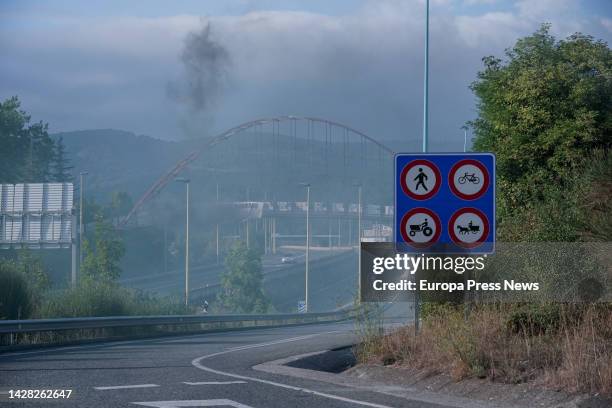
{"x": 349, "y": 134}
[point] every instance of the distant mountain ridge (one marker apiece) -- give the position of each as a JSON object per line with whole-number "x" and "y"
{"x": 117, "y": 160}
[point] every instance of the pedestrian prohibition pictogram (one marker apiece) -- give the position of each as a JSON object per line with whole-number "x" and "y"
{"x": 445, "y": 203}
{"x": 420, "y": 180}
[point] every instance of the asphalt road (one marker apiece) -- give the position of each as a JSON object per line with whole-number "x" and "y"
{"x": 332, "y": 281}
{"x": 197, "y": 370}
{"x": 172, "y": 282}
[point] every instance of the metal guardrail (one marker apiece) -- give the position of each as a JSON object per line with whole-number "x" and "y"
{"x": 78, "y": 323}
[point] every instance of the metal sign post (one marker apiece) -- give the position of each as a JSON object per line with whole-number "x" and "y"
{"x": 425, "y": 135}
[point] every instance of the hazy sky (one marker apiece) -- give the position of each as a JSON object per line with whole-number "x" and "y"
{"x": 110, "y": 64}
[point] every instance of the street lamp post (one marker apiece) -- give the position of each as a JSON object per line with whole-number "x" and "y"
{"x": 425, "y": 135}
{"x": 358, "y": 185}
{"x": 426, "y": 82}
{"x": 81, "y": 214}
{"x": 186, "y": 181}
{"x": 217, "y": 229}
{"x": 307, "y": 185}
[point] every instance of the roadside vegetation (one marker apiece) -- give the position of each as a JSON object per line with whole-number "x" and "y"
{"x": 242, "y": 282}
{"x": 545, "y": 111}
{"x": 34, "y": 284}
{"x": 29, "y": 154}
{"x": 25, "y": 294}
{"x": 564, "y": 347}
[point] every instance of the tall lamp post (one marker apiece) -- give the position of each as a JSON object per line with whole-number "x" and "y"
{"x": 81, "y": 213}
{"x": 186, "y": 182}
{"x": 358, "y": 185}
{"x": 307, "y": 185}
{"x": 426, "y": 82}
{"x": 217, "y": 229}
{"x": 425, "y": 136}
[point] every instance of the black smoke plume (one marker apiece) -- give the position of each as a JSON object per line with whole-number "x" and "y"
{"x": 205, "y": 62}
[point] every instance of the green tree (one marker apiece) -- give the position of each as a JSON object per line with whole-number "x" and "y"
{"x": 61, "y": 168}
{"x": 543, "y": 111}
{"x": 27, "y": 151}
{"x": 102, "y": 256}
{"x": 13, "y": 139}
{"x": 242, "y": 282}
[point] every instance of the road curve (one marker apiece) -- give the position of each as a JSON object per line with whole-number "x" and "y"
{"x": 196, "y": 370}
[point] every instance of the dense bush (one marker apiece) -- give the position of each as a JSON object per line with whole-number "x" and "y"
{"x": 23, "y": 280}
{"x": 105, "y": 298}
{"x": 15, "y": 293}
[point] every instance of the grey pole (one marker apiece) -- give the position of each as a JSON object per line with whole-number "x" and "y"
{"x": 274, "y": 235}
{"x": 165, "y": 246}
{"x": 358, "y": 242}
{"x": 307, "y": 240}
{"x": 426, "y": 81}
{"x": 329, "y": 234}
{"x": 265, "y": 230}
{"x": 75, "y": 256}
{"x": 217, "y": 225}
{"x": 187, "y": 246}
{"x": 425, "y": 137}
{"x": 81, "y": 213}
{"x": 186, "y": 181}
{"x": 307, "y": 185}
{"x": 465, "y": 128}
{"x": 359, "y": 239}
{"x": 359, "y": 214}
{"x": 247, "y": 220}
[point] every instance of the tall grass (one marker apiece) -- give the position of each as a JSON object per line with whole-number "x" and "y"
{"x": 369, "y": 325}
{"x": 574, "y": 353}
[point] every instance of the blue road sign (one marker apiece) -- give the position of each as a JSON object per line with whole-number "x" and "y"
{"x": 445, "y": 202}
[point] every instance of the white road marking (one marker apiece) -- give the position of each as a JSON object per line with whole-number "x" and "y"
{"x": 123, "y": 387}
{"x": 193, "y": 403}
{"x": 108, "y": 345}
{"x": 214, "y": 382}
{"x": 197, "y": 363}
{"x": 112, "y": 345}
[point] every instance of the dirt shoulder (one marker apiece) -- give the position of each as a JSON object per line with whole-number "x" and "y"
{"x": 491, "y": 393}
{"x": 415, "y": 385}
